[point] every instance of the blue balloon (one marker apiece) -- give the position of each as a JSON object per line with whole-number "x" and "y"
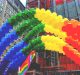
{"x": 6, "y": 27}
{"x": 11, "y": 54}
{"x": 14, "y": 65}
{"x": 12, "y": 51}
{"x": 9, "y": 38}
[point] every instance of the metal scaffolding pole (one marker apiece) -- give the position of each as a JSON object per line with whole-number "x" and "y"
{"x": 45, "y": 4}
{"x": 37, "y": 57}
{"x": 38, "y": 3}
{"x": 54, "y": 5}
{"x": 78, "y": 9}
{"x": 66, "y": 9}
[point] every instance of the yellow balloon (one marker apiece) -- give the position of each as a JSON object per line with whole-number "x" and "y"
{"x": 56, "y": 32}
{"x": 53, "y": 47}
{"x": 46, "y": 17}
{"x": 53, "y": 39}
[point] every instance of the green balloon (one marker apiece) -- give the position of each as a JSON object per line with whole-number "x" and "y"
{"x": 26, "y": 14}
{"x": 34, "y": 32}
{"x": 27, "y": 25}
{"x": 32, "y": 44}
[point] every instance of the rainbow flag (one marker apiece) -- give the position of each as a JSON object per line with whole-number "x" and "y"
{"x": 26, "y": 64}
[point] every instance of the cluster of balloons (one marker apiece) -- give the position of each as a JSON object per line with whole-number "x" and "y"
{"x": 43, "y": 30}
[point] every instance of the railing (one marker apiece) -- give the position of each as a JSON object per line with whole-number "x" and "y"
{"x": 33, "y": 72}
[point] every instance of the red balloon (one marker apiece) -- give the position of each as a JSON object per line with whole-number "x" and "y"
{"x": 71, "y": 54}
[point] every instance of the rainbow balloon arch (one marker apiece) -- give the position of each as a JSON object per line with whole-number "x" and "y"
{"x": 43, "y": 30}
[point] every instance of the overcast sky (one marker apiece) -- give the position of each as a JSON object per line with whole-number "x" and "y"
{"x": 23, "y": 2}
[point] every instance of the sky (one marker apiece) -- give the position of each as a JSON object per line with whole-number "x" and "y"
{"x": 23, "y": 2}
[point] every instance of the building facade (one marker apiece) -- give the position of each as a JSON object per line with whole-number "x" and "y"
{"x": 9, "y": 8}
{"x": 62, "y": 7}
